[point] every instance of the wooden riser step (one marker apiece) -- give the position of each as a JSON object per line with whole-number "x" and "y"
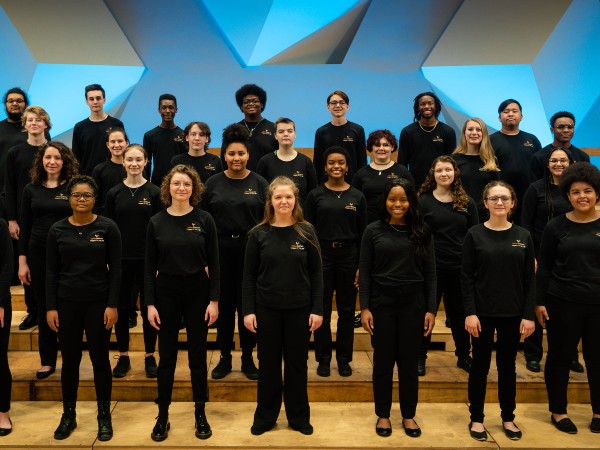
{"x": 336, "y": 426}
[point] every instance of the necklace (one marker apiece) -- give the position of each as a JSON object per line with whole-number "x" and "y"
{"x": 134, "y": 191}
{"x": 254, "y": 127}
{"x": 396, "y": 229}
{"x": 80, "y": 230}
{"x": 429, "y": 131}
{"x": 385, "y": 166}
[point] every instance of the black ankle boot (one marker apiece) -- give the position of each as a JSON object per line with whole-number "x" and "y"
{"x": 203, "y": 430}
{"x": 105, "y": 430}
{"x": 67, "y": 421}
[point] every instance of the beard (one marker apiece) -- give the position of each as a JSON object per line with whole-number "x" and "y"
{"x": 15, "y": 117}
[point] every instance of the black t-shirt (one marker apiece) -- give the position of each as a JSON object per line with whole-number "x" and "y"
{"x": 162, "y": 144}
{"x": 107, "y": 175}
{"x": 11, "y": 134}
{"x": 206, "y": 165}
{"x": 474, "y": 180}
{"x": 18, "y": 173}
{"x": 538, "y": 160}
{"x": 299, "y": 169}
{"x": 89, "y": 142}
{"x": 262, "y": 141}
{"x": 350, "y": 136}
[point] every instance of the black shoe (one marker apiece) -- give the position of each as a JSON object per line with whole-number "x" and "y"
{"x": 249, "y": 368}
{"x": 7, "y": 431}
{"x": 28, "y": 322}
{"x": 448, "y": 323}
{"x": 161, "y": 429}
{"x": 105, "y": 430}
{"x": 123, "y": 366}
{"x": 344, "y": 369}
{"x": 43, "y": 375}
{"x": 565, "y": 425}
{"x": 306, "y": 429}
{"x": 150, "y": 367}
{"x": 594, "y": 426}
{"x": 258, "y": 430}
{"x": 67, "y": 423}
{"x": 533, "y": 366}
{"x": 203, "y": 430}
{"x": 512, "y": 435}
{"x": 465, "y": 363}
{"x": 381, "y": 431}
{"x": 357, "y": 321}
{"x": 577, "y": 367}
{"x": 421, "y": 367}
{"x": 133, "y": 321}
{"x": 323, "y": 369}
{"x": 477, "y": 435}
{"x": 222, "y": 369}
{"x": 412, "y": 432}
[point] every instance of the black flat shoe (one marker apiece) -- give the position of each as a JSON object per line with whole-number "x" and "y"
{"x": 323, "y": 369}
{"x": 381, "y": 431}
{"x": 533, "y": 366}
{"x": 7, "y": 431}
{"x": 258, "y": 430}
{"x": 565, "y": 425}
{"x": 512, "y": 435}
{"x": 465, "y": 363}
{"x": 477, "y": 435}
{"x": 577, "y": 367}
{"x": 161, "y": 430}
{"x": 344, "y": 369}
{"x": 28, "y": 322}
{"x": 306, "y": 429}
{"x": 594, "y": 426}
{"x": 43, "y": 375}
{"x": 412, "y": 432}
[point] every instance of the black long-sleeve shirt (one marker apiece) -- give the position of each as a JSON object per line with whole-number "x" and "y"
{"x": 83, "y": 264}
{"x": 17, "y": 174}
{"x": 389, "y": 266}
{"x": 235, "y": 204}
{"x": 371, "y": 182}
{"x": 418, "y": 148}
{"x": 206, "y": 165}
{"x": 6, "y": 264}
{"x": 282, "y": 270}
{"x": 162, "y": 144}
{"x": 89, "y": 142}
{"x": 262, "y": 142}
{"x": 300, "y": 170}
{"x": 449, "y": 228}
{"x": 41, "y": 208}
{"x": 474, "y": 179}
{"x": 132, "y": 209}
{"x": 11, "y": 134}
{"x": 569, "y": 262}
{"x": 107, "y": 175}
{"x": 538, "y": 160}
{"x": 497, "y": 276}
{"x": 350, "y": 136}
{"x": 181, "y": 246}
{"x": 337, "y": 215}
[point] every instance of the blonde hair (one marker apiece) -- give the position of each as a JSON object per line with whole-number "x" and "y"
{"x": 486, "y": 151}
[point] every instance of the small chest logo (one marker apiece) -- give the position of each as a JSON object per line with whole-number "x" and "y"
{"x": 266, "y": 132}
{"x": 193, "y": 227}
{"x": 298, "y": 174}
{"x": 347, "y": 139}
{"x": 437, "y": 138}
{"x": 144, "y": 202}
{"x": 178, "y": 138}
{"x": 598, "y": 234}
{"x": 210, "y": 167}
{"x": 297, "y": 246}
{"x": 61, "y": 196}
{"x": 351, "y": 207}
{"x": 97, "y": 238}
{"x": 250, "y": 191}
{"x": 518, "y": 243}
{"x": 528, "y": 144}
{"x": 391, "y": 176}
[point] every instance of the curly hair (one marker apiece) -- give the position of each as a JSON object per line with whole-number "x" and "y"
{"x": 251, "y": 89}
{"x": 503, "y": 184}
{"x": 580, "y": 172}
{"x": 69, "y": 169}
{"x": 486, "y": 151}
{"x": 82, "y": 179}
{"x": 235, "y": 133}
{"x": 436, "y": 100}
{"x": 377, "y": 135}
{"x": 197, "y": 186}
{"x": 460, "y": 199}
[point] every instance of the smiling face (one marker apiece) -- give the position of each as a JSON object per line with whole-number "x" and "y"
{"x": 473, "y": 133}
{"x": 167, "y": 110}
{"x": 197, "y": 139}
{"x": 52, "y": 161}
{"x": 82, "y": 198}
{"x": 337, "y": 106}
{"x": 563, "y": 131}
{"x": 427, "y": 107}
{"x": 283, "y": 201}
{"x": 382, "y": 151}
{"x": 14, "y": 105}
{"x": 443, "y": 173}
{"x": 336, "y": 166}
{"x": 557, "y": 163}
{"x": 251, "y": 105}
{"x": 499, "y": 201}
{"x": 583, "y": 197}
{"x": 236, "y": 157}
{"x": 397, "y": 205}
{"x": 181, "y": 187}
{"x": 134, "y": 161}
{"x": 34, "y": 125}
{"x": 117, "y": 143}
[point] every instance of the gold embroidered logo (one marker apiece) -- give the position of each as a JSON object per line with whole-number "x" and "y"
{"x": 210, "y": 167}
{"x": 195, "y": 228}
{"x": 267, "y": 132}
{"x": 391, "y": 176}
{"x": 250, "y": 191}
{"x": 528, "y": 144}
{"x": 297, "y": 246}
{"x": 347, "y": 139}
{"x": 144, "y": 202}
{"x": 519, "y": 244}
{"x": 437, "y": 139}
{"x": 298, "y": 174}
{"x": 351, "y": 207}
{"x": 97, "y": 237}
{"x": 61, "y": 196}
{"x": 178, "y": 138}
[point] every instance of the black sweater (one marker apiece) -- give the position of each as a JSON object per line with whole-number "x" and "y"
{"x": 206, "y": 165}
{"x": 389, "y": 267}
{"x": 162, "y": 144}
{"x": 83, "y": 267}
{"x": 474, "y": 180}
{"x": 181, "y": 246}
{"x": 497, "y": 276}
{"x": 299, "y": 169}
{"x": 569, "y": 262}
{"x": 107, "y": 175}
{"x": 6, "y": 264}
{"x": 11, "y": 134}
{"x": 282, "y": 270}
{"x": 89, "y": 142}
{"x": 17, "y": 174}
{"x": 350, "y": 136}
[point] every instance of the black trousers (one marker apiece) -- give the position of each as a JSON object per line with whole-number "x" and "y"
{"x": 47, "y": 339}
{"x": 339, "y": 270}
{"x": 74, "y": 319}
{"x": 30, "y": 301}
{"x": 507, "y": 343}
{"x": 5, "y": 375}
{"x": 178, "y": 297}
{"x": 569, "y": 322}
{"x": 231, "y": 261}
{"x": 448, "y": 285}
{"x": 132, "y": 281}
{"x": 282, "y": 333}
{"x": 396, "y": 339}
{"x": 533, "y": 345}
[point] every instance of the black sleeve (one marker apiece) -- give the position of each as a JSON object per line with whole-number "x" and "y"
{"x": 26, "y": 221}
{"x": 147, "y": 144}
{"x": 365, "y": 265}
{"x": 114, "y": 252}
{"x": 473, "y": 218}
{"x": 212, "y": 254}
{"x": 261, "y": 168}
{"x": 150, "y": 266}
{"x": 251, "y": 265}
{"x": 75, "y": 146}
{"x": 52, "y": 270}
{"x": 362, "y": 219}
{"x": 309, "y": 208}
{"x": 10, "y": 188}
{"x": 467, "y": 274}
{"x": 403, "y": 149}
{"x": 109, "y": 204}
{"x": 315, "y": 271}
{"x": 528, "y": 209}
{"x": 450, "y": 143}
{"x": 430, "y": 279}
{"x": 318, "y": 152}
{"x": 311, "y": 176}
{"x": 361, "y": 150}
{"x": 529, "y": 281}
{"x": 536, "y": 168}
{"x": 546, "y": 258}
{"x": 404, "y": 173}
{"x": 6, "y": 264}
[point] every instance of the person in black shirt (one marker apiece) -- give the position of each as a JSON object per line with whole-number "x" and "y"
{"x": 6, "y": 262}
{"x": 252, "y": 100}
{"x": 44, "y": 202}
{"x": 197, "y": 136}
{"x": 164, "y": 141}
{"x": 397, "y": 299}
{"x": 426, "y": 138}
{"x": 235, "y": 199}
{"x": 568, "y": 282}
{"x": 181, "y": 279}
{"x": 449, "y": 212}
{"x": 475, "y": 158}
{"x": 111, "y": 172}
{"x": 498, "y": 287}
{"x": 89, "y": 135}
{"x": 371, "y": 179}
{"x": 83, "y": 275}
{"x": 131, "y": 204}
{"x": 283, "y": 304}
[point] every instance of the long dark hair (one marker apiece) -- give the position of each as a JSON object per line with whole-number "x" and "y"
{"x": 548, "y": 180}
{"x": 419, "y": 231}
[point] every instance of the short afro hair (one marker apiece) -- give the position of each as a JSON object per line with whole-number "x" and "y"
{"x": 251, "y": 89}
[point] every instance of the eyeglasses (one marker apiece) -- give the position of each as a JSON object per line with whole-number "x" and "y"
{"x": 338, "y": 103}
{"x": 564, "y": 127}
{"x": 253, "y": 101}
{"x": 504, "y": 199}
{"x": 558, "y": 160}
{"x": 18, "y": 101}
{"x": 84, "y": 195}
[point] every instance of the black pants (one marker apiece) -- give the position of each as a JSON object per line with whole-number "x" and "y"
{"x": 74, "y": 319}
{"x": 339, "y": 270}
{"x": 30, "y": 302}
{"x": 396, "y": 339}
{"x": 5, "y": 375}
{"x": 231, "y": 261}
{"x": 131, "y": 282}
{"x": 448, "y": 285}
{"x": 178, "y": 297}
{"x": 507, "y": 343}
{"x": 533, "y": 345}
{"x": 282, "y": 332}
{"x": 569, "y": 322}
{"x": 47, "y": 339}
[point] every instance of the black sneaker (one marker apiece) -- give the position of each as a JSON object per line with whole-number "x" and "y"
{"x": 344, "y": 369}
{"x": 28, "y": 322}
{"x": 223, "y": 368}
{"x": 151, "y": 367}
{"x": 249, "y": 368}
{"x": 123, "y": 366}
{"x": 203, "y": 430}
{"x": 577, "y": 367}
{"x": 465, "y": 363}
{"x": 323, "y": 369}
